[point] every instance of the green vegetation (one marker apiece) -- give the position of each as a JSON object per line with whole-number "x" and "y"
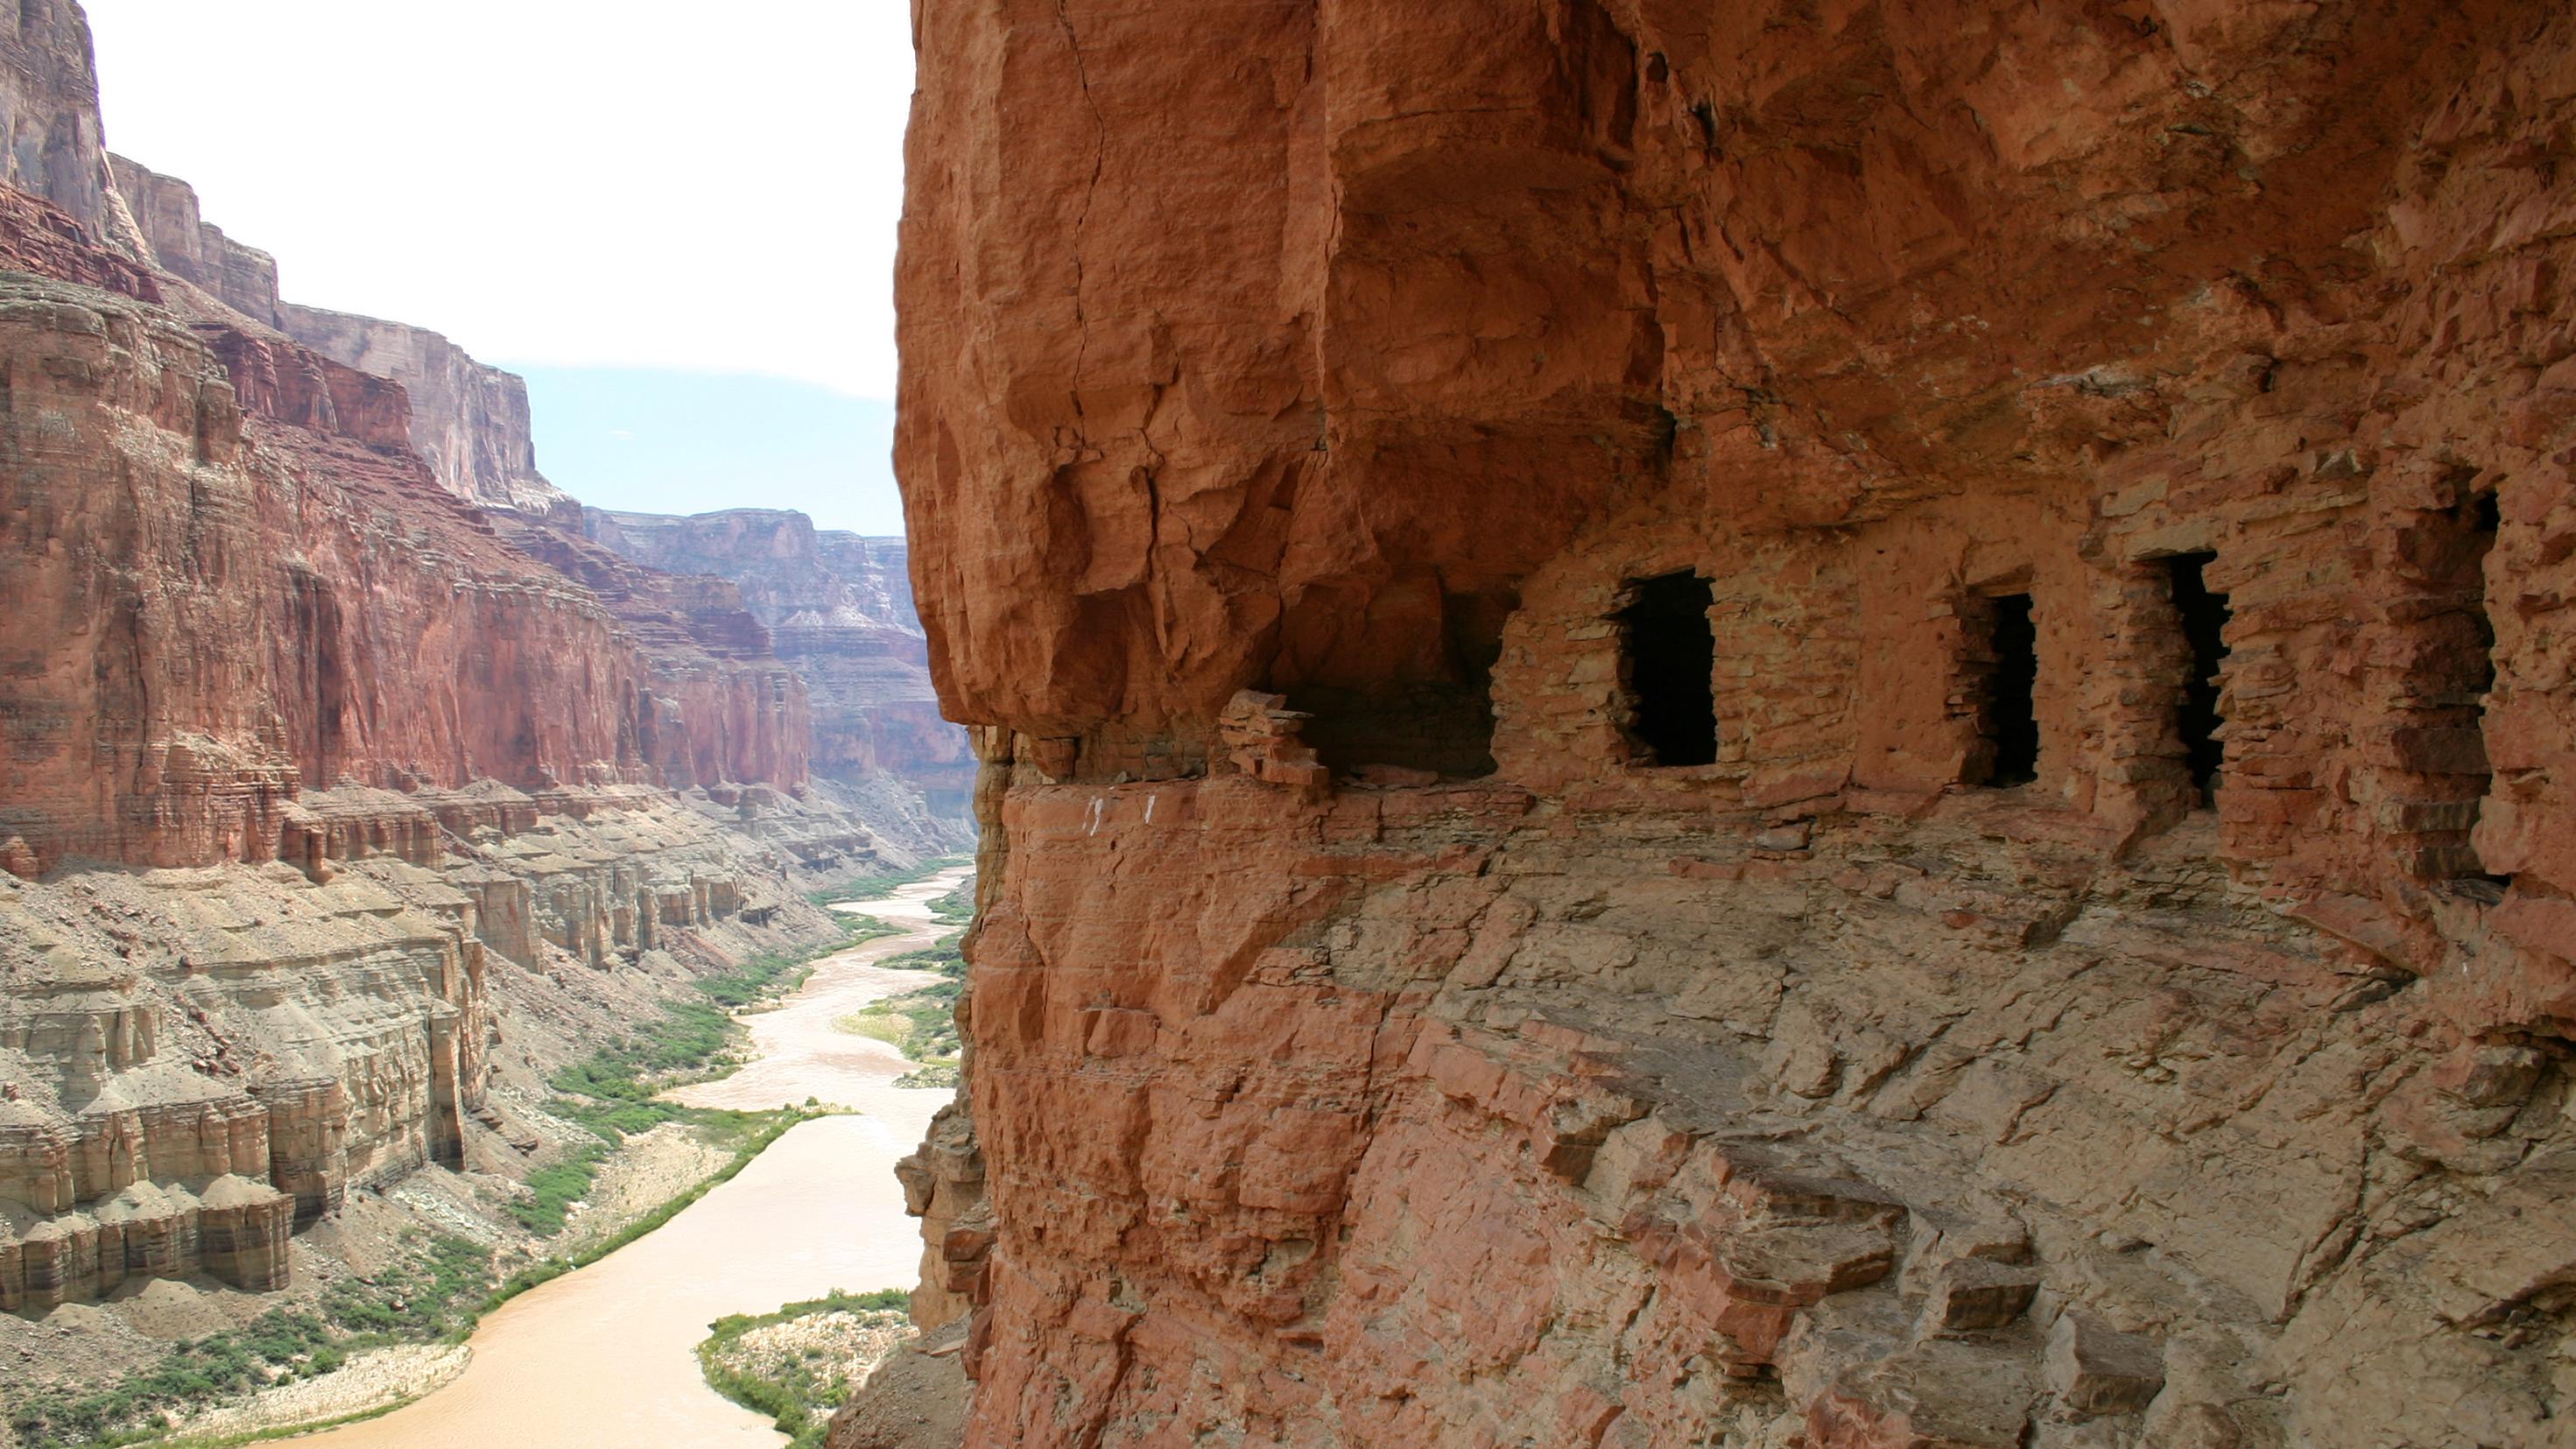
{"x": 749, "y": 1132}
{"x": 444, "y": 1287}
{"x": 430, "y": 1294}
{"x": 957, "y": 907}
{"x": 920, "y": 1024}
{"x": 614, "y": 1090}
{"x": 554, "y": 1188}
{"x": 877, "y": 885}
{"x": 799, "y": 1390}
{"x": 947, "y": 956}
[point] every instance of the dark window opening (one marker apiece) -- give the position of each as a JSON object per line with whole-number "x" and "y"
{"x": 2008, "y": 721}
{"x": 2483, "y": 525}
{"x": 1668, "y": 660}
{"x": 2204, "y": 630}
{"x": 2485, "y": 520}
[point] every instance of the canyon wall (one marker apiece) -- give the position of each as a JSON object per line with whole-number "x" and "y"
{"x": 57, "y": 147}
{"x": 175, "y": 236}
{"x": 229, "y": 579}
{"x": 332, "y": 756}
{"x": 469, "y": 421}
{"x": 839, "y": 610}
{"x": 1765, "y": 726}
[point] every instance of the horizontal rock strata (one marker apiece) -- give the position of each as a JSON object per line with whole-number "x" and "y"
{"x": 839, "y": 611}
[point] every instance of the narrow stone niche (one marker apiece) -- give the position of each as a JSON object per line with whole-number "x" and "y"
{"x": 2203, "y": 615}
{"x": 2450, "y": 693}
{"x": 2004, "y": 648}
{"x": 1441, "y": 722}
{"x": 1667, "y": 666}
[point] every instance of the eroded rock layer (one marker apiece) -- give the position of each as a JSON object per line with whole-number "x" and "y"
{"x": 1754, "y": 726}
{"x": 196, "y": 1062}
{"x": 840, "y": 612}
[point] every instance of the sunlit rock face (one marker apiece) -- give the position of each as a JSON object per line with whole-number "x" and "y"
{"x": 49, "y": 119}
{"x": 839, "y": 610}
{"x": 1786, "y": 945}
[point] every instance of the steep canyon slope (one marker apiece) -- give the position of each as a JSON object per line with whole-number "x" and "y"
{"x": 339, "y": 803}
{"x": 1774, "y": 724}
{"x": 840, "y": 613}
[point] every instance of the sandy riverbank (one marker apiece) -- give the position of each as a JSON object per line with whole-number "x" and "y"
{"x": 608, "y": 1354}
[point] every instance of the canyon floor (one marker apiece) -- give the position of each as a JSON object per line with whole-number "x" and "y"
{"x": 608, "y": 1352}
{"x": 817, "y": 1170}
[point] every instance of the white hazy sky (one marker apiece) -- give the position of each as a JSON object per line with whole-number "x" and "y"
{"x": 624, "y": 183}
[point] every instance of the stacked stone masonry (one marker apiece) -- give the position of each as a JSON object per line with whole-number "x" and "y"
{"x": 1817, "y": 1095}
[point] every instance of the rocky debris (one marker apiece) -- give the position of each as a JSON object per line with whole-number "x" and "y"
{"x": 943, "y": 1185}
{"x": 1261, "y": 738}
{"x": 2096, "y": 1370}
{"x": 2079, "y": 864}
{"x": 916, "y": 1398}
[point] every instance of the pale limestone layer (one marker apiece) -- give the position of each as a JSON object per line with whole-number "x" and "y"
{"x": 195, "y": 1062}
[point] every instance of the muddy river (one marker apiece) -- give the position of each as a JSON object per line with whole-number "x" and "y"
{"x": 607, "y": 1356}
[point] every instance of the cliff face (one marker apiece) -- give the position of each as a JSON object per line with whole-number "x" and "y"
{"x": 469, "y": 421}
{"x": 839, "y": 610}
{"x": 216, "y": 601}
{"x": 176, "y": 237}
{"x": 1769, "y": 934}
{"x": 49, "y": 112}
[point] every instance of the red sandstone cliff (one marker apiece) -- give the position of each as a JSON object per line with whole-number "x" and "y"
{"x": 294, "y": 600}
{"x": 839, "y": 611}
{"x": 231, "y": 580}
{"x": 1498, "y": 1057}
{"x": 56, "y": 146}
{"x": 469, "y": 421}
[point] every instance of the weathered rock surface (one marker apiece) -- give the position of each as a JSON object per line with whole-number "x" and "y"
{"x": 177, "y": 238}
{"x": 226, "y": 581}
{"x": 56, "y": 146}
{"x": 194, "y": 1062}
{"x": 840, "y": 612}
{"x": 1497, "y": 1083}
{"x": 469, "y": 420}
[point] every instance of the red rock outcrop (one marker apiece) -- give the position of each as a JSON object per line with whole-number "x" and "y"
{"x": 1791, "y": 948}
{"x": 283, "y": 604}
{"x": 469, "y": 420}
{"x": 177, "y": 238}
{"x": 56, "y": 147}
{"x": 293, "y": 600}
